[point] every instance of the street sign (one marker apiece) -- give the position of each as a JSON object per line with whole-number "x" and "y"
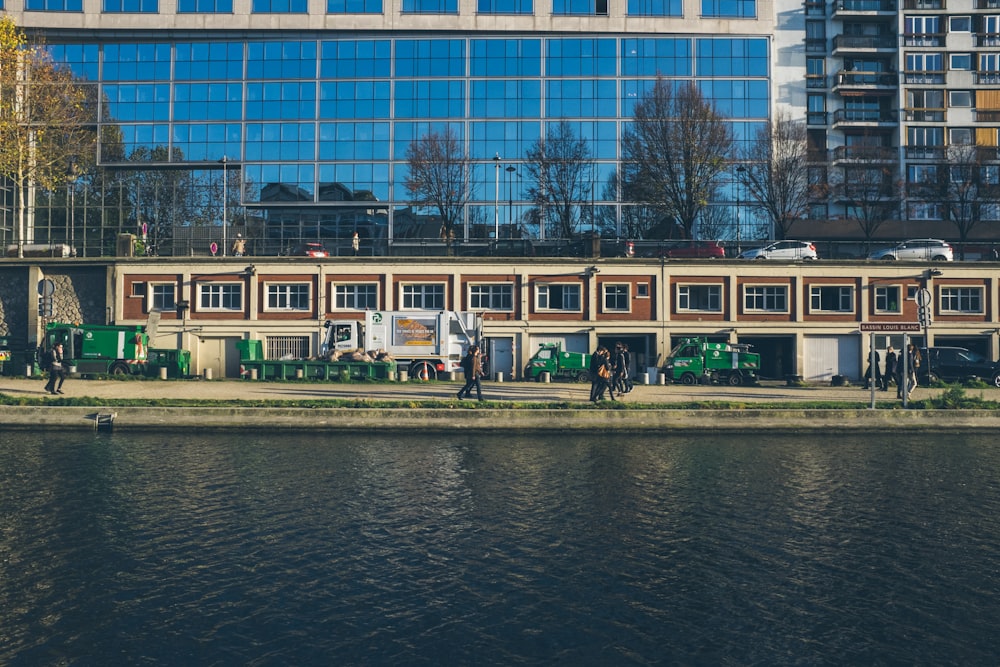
{"x": 890, "y": 327}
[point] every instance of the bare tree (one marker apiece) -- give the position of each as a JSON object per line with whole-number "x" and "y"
{"x": 870, "y": 187}
{"x": 47, "y": 123}
{"x": 631, "y": 221}
{"x": 774, "y": 172}
{"x": 559, "y": 165}
{"x": 675, "y": 150}
{"x": 439, "y": 177}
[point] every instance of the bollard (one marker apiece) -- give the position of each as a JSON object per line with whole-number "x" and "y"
{"x": 299, "y": 374}
{"x": 404, "y": 375}
{"x": 546, "y": 377}
{"x": 208, "y": 373}
{"x": 390, "y": 376}
{"x": 499, "y": 376}
{"x": 27, "y": 370}
{"x": 163, "y": 372}
{"x": 253, "y": 373}
{"x": 643, "y": 378}
{"x": 661, "y": 378}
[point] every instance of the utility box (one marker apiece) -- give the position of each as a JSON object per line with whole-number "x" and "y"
{"x": 126, "y": 245}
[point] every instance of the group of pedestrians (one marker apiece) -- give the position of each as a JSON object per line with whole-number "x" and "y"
{"x": 894, "y": 371}
{"x": 609, "y": 372}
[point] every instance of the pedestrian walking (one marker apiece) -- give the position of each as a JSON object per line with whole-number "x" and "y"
{"x": 473, "y": 368}
{"x": 890, "y": 368}
{"x": 239, "y": 246}
{"x": 355, "y": 243}
{"x": 52, "y": 360}
{"x": 878, "y": 372}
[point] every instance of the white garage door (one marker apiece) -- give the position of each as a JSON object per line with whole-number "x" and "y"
{"x": 826, "y": 356}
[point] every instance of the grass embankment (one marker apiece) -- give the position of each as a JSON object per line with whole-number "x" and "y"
{"x": 952, "y": 398}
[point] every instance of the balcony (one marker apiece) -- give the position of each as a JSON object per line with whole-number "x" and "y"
{"x": 924, "y": 5}
{"x": 865, "y": 154}
{"x": 816, "y": 118}
{"x": 924, "y": 152}
{"x": 867, "y": 81}
{"x": 987, "y": 115}
{"x": 853, "y": 7}
{"x": 864, "y": 116}
{"x": 924, "y": 39}
{"x": 987, "y": 40}
{"x": 849, "y": 43}
{"x": 925, "y": 78}
{"x": 986, "y": 78}
{"x": 987, "y": 4}
{"x": 815, "y": 81}
{"x": 925, "y": 115}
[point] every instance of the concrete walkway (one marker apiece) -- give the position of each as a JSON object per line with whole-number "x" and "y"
{"x": 470, "y": 415}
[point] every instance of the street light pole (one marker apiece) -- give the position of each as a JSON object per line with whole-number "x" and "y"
{"x": 496, "y": 201}
{"x": 510, "y": 204}
{"x": 72, "y": 206}
{"x": 225, "y": 196}
{"x": 740, "y": 170}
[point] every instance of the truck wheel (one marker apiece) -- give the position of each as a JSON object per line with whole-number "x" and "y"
{"x": 422, "y": 371}
{"x": 584, "y": 376}
{"x": 735, "y": 380}
{"x": 118, "y": 368}
{"x": 689, "y": 378}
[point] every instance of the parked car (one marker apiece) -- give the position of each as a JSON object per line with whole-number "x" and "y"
{"x": 956, "y": 364}
{"x": 783, "y": 250}
{"x": 310, "y": 249}
{"x": 925, "y": 249}
{"x": 695, "y": 249}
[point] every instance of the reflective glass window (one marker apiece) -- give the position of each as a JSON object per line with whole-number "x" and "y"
{"x": 204, "y": 6}
{"x": 736, "y": 9}
{"x": 430, "y": 99}
{"x": 53, "y": 5}
{"x": 350, "y": 59}
{"x": 136, "y": 62}
{"x": 280, "y": 141}
{"x": 358, "y": 179}
{"x": 632, "y": 91}
{"x": 505, "y": 57}
{"x": 354, "y": 141}
{"x": 142, "y": 101}
{"x": 653, "y": 56}
{"x": 504, "y": 138}
{"x": 354, "y": 99}
{"x": 505, "y": 7}
{"x": 655, "y": 8}
{"x": 353, "y": 6}
{"x": 131, "y": 6}
{"x": 405, "y": 133}
{"x": 732, "y": 57}
{"x": 213, "y": 61}
{"x": 82, "y": 59}
{"x": 498, "y": 98}
{"x": 208, "y": 101}
{"x": 580, "y": 7}
{"x": 281, "y": 60}
{"x": 581, "y": 57}
{"x": 430, "y": 6}
{"x": 737, "y": 98}
{"x": 273, "y": 182}
{"x": 430, "y": 57}
{"x": 280, "y": 6}
{"x": 139, "y": 142}
{"x": 589, "y": 98}
{"x": 281, "y": 101}
{"x": 208, "y": 141}
{"x": 601, "y": 136}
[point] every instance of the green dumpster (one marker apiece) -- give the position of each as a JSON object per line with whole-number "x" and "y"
{"x": 177, "y": 362}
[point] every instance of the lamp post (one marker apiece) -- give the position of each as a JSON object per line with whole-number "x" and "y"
{"x": 740, "y": 170}
{"x": 225, "y": 197}
{"x": 496, "y": 201}
{"x": 510, "y": 204}
{"x": 71, "y": 180}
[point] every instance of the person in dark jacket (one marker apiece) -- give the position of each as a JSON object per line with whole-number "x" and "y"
{"x": 878, "y": 372}
{"x": 890, "y": 368}
{"x": 600, "y": 375}
{"x": 53, "y": 360}
{"x": 473, "y": 371}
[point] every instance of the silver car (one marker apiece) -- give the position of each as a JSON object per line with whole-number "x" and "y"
{"x": 783, "y": 250}
{"x": 921, "y": 249}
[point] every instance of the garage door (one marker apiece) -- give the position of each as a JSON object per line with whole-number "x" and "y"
{"x": 826, "y": 356}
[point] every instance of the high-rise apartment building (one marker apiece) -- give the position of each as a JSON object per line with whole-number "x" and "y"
{"x": 309, "y": 105}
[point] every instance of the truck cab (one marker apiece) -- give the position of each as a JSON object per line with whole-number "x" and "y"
{"x": 696, "y": 360}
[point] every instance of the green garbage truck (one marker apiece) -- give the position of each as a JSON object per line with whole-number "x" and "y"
{"x": 559, "y": 364}
{"x": 696, "y": 360}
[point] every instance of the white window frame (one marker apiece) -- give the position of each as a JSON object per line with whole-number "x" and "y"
{"x": 155, "y": 293}
{"x": 423, "y": 296}
{"x": 642, "y": 290}
{"x": 350, "y": 292}
{"x": 543, "y": 297}
{"x": 765, "y": 293}
{"x": 965, "y": 300}
{"x": 212, "y": 297}
{"x": 882, "y": 299}
{"x": 712, "y": 297}
{"x": 613, "y": 292}
{"x": 497, "y": 297}
{"x": 287, "y": 296}
{"x": 955, "y": 99}
{"x": 844, "y": 297}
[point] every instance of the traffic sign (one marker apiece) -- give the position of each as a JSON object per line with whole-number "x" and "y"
{"x": 889, "y": 327}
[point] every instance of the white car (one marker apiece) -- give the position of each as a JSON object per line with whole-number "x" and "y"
{"x": 783, "y": 250}
{"x": 925, "y": 249}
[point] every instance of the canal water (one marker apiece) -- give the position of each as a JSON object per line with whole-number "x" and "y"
{"x": 507, "y": 550}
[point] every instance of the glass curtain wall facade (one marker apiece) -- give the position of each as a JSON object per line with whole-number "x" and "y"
{"x": 293, "y": 137}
